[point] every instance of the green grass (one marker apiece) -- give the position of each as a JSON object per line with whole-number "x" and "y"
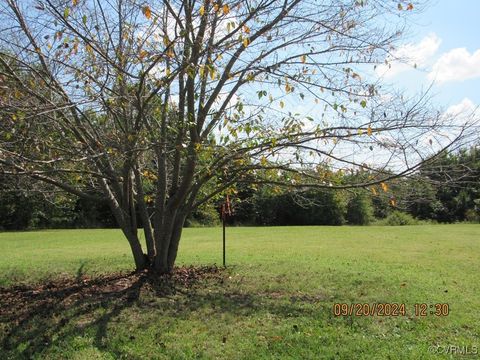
{"x": 275, "y": 303}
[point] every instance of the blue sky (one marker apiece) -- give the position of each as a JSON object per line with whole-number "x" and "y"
{"x": 445, "y": 40}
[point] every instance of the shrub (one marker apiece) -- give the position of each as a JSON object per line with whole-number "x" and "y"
{"x": 472, "y": 216}
{"x": 360, "y": 210}
{"x": 205, "y": 215}
{"x": 398, "y": 218}
{"x": 313, "y": 207}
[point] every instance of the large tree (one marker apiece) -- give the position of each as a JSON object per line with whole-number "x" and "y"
{"x": 162, "y": 105}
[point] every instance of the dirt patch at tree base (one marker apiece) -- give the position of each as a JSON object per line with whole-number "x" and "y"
{"x": 18, "y": 302}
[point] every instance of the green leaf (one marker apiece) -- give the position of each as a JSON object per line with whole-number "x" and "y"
{"x": 263, "y": 161}
{"x": 363, "y": 103}
{"x": 260, "y": 94}
{"x": 66, "y": 12}
{"x": 84, "y": 19}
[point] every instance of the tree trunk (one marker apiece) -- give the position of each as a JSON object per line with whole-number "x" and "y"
{"x": 138, "y": 255}
{"x": 143, "y": 211}
{"x": 125, "y": 223}
{"x": 167, "y": 243}
{"x": 175, "y": 240}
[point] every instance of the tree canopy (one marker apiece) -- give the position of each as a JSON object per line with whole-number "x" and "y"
{"x": 161, "y": 106}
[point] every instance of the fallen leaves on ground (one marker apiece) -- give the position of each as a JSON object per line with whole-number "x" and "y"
{"x": 16, "y": 302}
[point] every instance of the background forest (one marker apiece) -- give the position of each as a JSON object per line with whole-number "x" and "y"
{"x": 444, "y": 190}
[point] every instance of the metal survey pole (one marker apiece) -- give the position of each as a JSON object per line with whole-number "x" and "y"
{"x": 225, "y": 212}
{"x": 224, "y": 263}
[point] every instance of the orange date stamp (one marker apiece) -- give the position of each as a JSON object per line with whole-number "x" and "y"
{"x": 389, "y": 309}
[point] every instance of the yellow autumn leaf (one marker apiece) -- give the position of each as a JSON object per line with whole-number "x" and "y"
{"x": 147, "y": 12}
{"x": 369, "y": 130}
{"x": 167, "y": 71}
{"x": 282, "y": 104}
{"x": 226, "y": 9}
{"x": 202, "y": 10}
{"x": 216, "y": 7}
{"x": 246, "y": 42}
{"x": 212, "y": 73}
{"x": 143, "y": 54}
{"x": 384, "y": 186}
{"x": 288, "y": 88}
{"x": 303, "y": 59}
{"x": 393, "y": 202}
{"x": 374, "y": 191}
{"x": 74, "y": 2}
{"x": 246, "y": 29}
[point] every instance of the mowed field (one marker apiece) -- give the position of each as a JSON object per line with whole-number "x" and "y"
{"x": 274, "y": 301}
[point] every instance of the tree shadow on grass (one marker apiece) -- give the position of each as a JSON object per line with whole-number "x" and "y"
{"x": 36, "y": 319}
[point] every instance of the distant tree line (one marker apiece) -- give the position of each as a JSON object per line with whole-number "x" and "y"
{"x": 445, "y": 190}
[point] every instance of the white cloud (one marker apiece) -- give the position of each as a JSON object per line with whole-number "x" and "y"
{"x": 464, "y": 107}
{"x": 457, "y": 64}
{"x": 410, "y": 55}
{"x": 455, "y": 120}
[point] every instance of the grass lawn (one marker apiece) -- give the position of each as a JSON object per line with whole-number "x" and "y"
{"x": 275, "y": 301}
